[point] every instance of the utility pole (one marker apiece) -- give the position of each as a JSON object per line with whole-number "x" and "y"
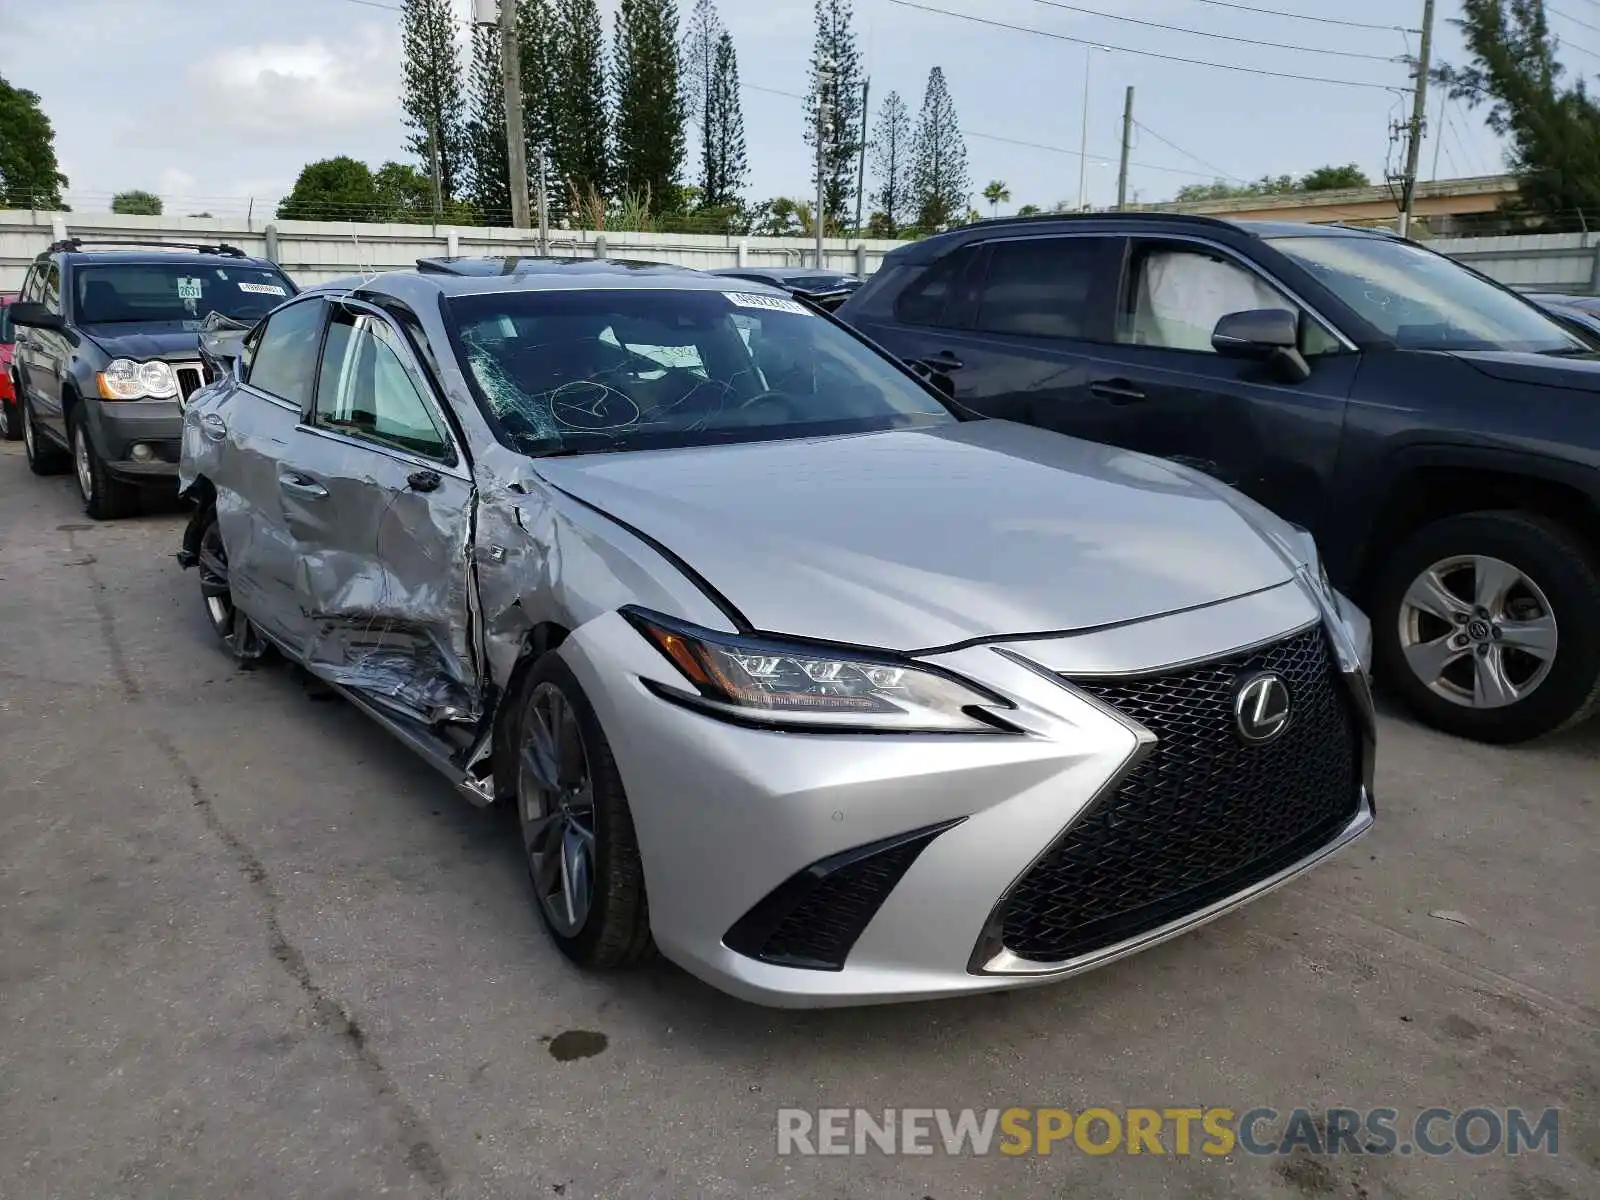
{"x": 1419, "y": 112}
{"x": 861, "y": 171}
{"x": 1127, "y": 141}
{"x": 516, "y": 139}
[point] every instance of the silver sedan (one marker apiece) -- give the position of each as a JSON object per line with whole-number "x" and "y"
{"x": 794, "y": 671}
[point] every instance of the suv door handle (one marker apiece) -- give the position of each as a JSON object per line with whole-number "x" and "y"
{"x": 1118, "y": 391}
{"x": 300, "y": 484}
{"x": 944, "y": 361}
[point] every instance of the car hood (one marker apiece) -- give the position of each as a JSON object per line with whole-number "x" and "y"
{"x": 915, "y": 539}
{"x": 171, "y": 340}
{"x": 1582, "y": 374}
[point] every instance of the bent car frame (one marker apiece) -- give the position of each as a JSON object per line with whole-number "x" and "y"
{"x": 829, "y": 691}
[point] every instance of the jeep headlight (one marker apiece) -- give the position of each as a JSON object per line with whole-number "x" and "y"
{"x": 125, "y": 379}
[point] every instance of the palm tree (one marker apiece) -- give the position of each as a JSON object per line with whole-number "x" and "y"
{"x": 997, "y": 193}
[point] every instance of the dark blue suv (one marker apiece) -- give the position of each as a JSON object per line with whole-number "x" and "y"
{"x": 1434, "y": 430}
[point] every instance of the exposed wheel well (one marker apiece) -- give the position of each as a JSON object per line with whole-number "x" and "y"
{"x": 1430, "y": 494}
{"x": 541, "y": 639}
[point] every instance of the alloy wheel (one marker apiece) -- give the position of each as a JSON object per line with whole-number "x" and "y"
{"x": 80, "y": 460}
{"x": 28, "y": 445}
{"x": 1478, "y": 631}
{"x": 555, "y": 794}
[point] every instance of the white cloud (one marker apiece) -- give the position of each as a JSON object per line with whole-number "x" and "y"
{"x": 277, "y": 91}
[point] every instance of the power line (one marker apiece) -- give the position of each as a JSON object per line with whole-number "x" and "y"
{"x": 1274, "y": 12}
{"x": 1197, "y": 62}
{"x": 1217, "y": 171}
{"x": 1573, "y": 19}
{"x": 1221, "y": 37}
{"x": 375, "y": 4}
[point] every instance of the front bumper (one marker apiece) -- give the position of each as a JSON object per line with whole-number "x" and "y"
{"x": 727, "y": 817}
{"x": 119, "y": 426}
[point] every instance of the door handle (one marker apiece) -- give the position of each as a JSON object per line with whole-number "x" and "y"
{"x": 214, "y": 427}
{"x": 1118, "y": 391}
{"x": 944, "y": 361}
{"x": 301, "y": 485}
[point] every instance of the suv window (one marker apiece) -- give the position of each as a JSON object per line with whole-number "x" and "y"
{"x": 369, "y": 388}
{"x": 283, "y": 360}
{"x": 926, "y": 299}
{"x": 1177, "y": 294}
{"x": 1044, "y": 287}
{"x": 50, "y": 287}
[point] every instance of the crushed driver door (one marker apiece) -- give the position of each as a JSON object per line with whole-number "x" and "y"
{"x": 380, "y": 502}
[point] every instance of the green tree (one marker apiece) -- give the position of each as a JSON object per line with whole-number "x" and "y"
{"x": 432, "y": 94}
{"x": 1029, "y": 210}
{"x": 891, "y": 164}
{"x": 649, "y": 106}
{"x": 29, "y": 175}
{"x": 780, "y": 217}
{"x": 579, "y": 130}
{"x": 1551, "y": 128}
{"x": 405, "y": 195}
{"x": 536, "y": 50}
{"x": 939, "y": 156}
{"x": 725, "y": 163}
{"x": 1331, "y": 178}
{"x": 997, "y": 193}
{"x": 699, "y": 58}
{"x": 836, "y": 92}
{"x": 137, "y": 204}
{"x": 487, "y": 166}
{"x": 333, "y": 189}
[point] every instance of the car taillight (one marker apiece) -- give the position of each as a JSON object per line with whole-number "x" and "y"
{"x": 5, "y": 387}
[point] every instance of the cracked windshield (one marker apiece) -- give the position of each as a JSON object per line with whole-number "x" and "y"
{"x": 573, "y": 372}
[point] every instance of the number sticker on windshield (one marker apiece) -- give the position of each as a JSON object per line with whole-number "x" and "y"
{"x": 770, "y": 303}
{"x": 190, "y": 289}
{"x": 264, "y": 289}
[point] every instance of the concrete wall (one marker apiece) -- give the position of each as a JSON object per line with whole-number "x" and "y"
{"x": 1550, "y": 262}
{"x": 311, "y": 251}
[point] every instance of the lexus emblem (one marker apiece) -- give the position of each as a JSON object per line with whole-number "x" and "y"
{"x": 1261, "y": 708}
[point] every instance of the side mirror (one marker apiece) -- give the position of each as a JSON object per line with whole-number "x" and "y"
{"x": 945, "y": 386}
{"x": 33, "y": 315}
{"x": 1265, "y": 335}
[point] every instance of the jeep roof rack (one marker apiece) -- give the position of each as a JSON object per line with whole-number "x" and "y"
{"x": 74, "y": 244}
{"x": 1132, "y": 215}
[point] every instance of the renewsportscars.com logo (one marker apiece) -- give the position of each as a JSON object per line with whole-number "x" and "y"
{"x": 1216, "y": 1132}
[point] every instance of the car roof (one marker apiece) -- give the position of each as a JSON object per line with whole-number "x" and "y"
{"x": 781, "y": 272}
{"x": 486, "y": 276}
{"x": 163, "y": 258}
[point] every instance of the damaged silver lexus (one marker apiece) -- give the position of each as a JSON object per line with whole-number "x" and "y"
{"x": 791, "y": 668}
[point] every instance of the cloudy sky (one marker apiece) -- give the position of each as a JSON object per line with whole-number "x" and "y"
{"x": 212, "y": 102}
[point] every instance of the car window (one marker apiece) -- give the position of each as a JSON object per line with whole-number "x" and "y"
{"x": 30, "y": 285}
{"x": 121, "y": 293}
{"x": 1422, "y": 300}
{"x": 924, "y": 300}
{"x": 283, "y": 362}
{"x": 614, "y": 369}
{"x": 50, "y": 287}
{"x": 1178, "y": 294}
{"x": 1043, "y": 287}
{"x": 369, "y": 388}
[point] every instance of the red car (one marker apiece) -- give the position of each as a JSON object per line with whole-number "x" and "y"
{"x": 10, "y": 413}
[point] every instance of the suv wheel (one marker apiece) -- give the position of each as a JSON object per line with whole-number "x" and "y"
{"x": 104, "y": 498}
{"x": 11, "y": 416}
{"x": 1484, "y": 626}
{"x": 577, "y": 831}
{"x": 44, "y": 456}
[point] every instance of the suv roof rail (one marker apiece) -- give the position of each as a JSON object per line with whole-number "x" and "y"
{"x": 73, "y": 244}
{"x": 1380, "y": 230}
{"x": 439, "y": 266}
{"x": 1134, "y": 215}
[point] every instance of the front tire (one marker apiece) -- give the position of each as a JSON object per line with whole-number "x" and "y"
{"x": 11, "y": 416}
{"x": 1484, "y": 626}
{"x": 231, "y": 626}
{"x": 577, "y": 830}
{"x": 105, "y": 497}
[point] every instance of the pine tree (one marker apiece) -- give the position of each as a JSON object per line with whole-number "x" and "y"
{"x": 891, "y": 163}
{"x": 432, "y": 93}
{"x": 488, "y": 163}
{"x": 649, "y": 106}
{"x": 836, "y": 89}
{"x": 579, "y": 130}
{"x": 726, "y": 167}
{"x": 536, "y": 50}
{"x": 698, "y": 76}
{"x": 939, "y": 181}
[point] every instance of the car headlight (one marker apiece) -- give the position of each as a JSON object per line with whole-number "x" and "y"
{"x": 124, "y": 379}
{"x": 780, "y": 683}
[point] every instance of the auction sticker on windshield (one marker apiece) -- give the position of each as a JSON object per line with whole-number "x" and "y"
{"x": 264, "y": 289}
{"x": 770, "y": 303}
{"x": 189, "y": 289}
